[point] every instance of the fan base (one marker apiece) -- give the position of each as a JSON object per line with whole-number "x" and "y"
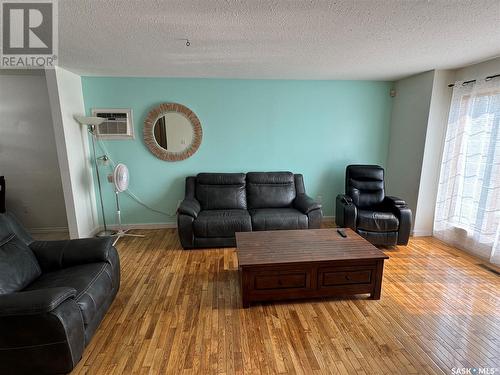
{"x": 123, "y": 233}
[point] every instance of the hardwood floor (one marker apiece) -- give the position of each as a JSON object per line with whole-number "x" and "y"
{"x": 179, "y": 312}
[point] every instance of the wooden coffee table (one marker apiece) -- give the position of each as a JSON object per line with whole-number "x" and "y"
{"x": 297, "y": 264}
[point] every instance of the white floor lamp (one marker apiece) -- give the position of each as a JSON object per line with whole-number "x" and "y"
{"x": 91, "y": 123}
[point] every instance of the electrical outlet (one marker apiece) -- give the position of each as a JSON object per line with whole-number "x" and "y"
{"x": 319, "y": 198}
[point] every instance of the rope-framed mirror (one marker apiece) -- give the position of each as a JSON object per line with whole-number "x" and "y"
{"x": 172, "y": 132}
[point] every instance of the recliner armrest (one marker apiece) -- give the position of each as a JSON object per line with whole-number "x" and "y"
{"x": 344, "y": 198}
{"x": 53, "y": 255}
{"x": 395, "y": 201}
{"x": 190, "y": 207}
{"x": 345, "y": 212}
{"x": 399, "y": 207}
{"x": 305, "y": 204}
{"x": 34, "y": 301}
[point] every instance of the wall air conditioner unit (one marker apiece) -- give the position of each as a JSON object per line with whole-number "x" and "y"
{"x": 118, "y": 124}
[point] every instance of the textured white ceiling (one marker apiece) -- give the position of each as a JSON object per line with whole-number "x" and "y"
{"x": 357, "y": 39}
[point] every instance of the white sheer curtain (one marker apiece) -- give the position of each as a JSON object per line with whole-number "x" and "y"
{"x": 468, "y": 201}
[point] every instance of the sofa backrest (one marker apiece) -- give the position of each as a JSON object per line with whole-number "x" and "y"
{"x": 365, "y": 184}
{"x": 270, "y": 189}
{"x": 10, "y": 225}
{"x": 219, "y": 191}
{"x": 2, "y": 194}
{"x": 18, "y": 265}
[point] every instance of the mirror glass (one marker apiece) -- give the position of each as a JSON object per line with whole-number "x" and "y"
{"x": 173, "y": 132}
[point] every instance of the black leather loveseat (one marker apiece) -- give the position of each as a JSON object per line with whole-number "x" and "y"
{"x": 53, "y": 295}
{"x": 217, "y": 205}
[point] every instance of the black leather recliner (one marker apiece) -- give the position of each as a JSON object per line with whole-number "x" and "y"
{"x": 53, "y": 295}
{"x": 217, "y": 205}
{"x": 381, "y": 219}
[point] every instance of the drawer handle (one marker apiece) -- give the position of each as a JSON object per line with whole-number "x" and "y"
{"x": 347, "y": 278}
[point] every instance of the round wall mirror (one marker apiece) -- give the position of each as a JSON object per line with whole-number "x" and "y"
{"x": 172, "y": 132}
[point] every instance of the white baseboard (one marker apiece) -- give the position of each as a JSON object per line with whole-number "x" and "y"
{"x": 48, "y": 230}
{"x": 138, "y": 226}
{"x": 421, "y": 233}
{"x": 326, "y": 219}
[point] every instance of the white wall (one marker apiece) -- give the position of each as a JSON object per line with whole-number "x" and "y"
{"x": 410, "y": 113}
{"x": 28, "y": 156}
{"x": 66, "y": 100}
{"x": 478, "y": 71}
{"x": 431, "y": 164}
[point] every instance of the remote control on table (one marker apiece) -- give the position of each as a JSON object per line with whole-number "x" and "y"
{"x": 342, "y": 233}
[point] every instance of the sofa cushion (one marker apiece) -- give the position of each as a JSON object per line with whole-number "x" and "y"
{"x": 270, "y": 189}
{"x": 18, "y": 264}
{"x": 221, "y": 223}
{"x": 93, "y": 283}
{"x": 278, "y": 218}
{"x": 221, "y": 191}
{"x": 377, "y": 221}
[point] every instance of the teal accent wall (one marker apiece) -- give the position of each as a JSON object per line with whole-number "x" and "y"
{"x": 311, "y": 127}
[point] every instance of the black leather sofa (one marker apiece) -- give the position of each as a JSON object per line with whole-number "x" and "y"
{"x": 2, "y": 194}
{"x": 217, "y": 205}
{"x": 53, "y": 295}
{"x": 381, "y": 219}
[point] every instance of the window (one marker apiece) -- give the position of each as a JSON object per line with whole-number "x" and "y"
{"x": 468, "y": 202}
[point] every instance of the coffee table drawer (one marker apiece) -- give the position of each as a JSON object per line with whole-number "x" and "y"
{"x": 281, "y": 280}
{"x": 335, "y": 277}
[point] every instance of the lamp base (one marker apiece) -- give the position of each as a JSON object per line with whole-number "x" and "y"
{"x": 105, "y": 233}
